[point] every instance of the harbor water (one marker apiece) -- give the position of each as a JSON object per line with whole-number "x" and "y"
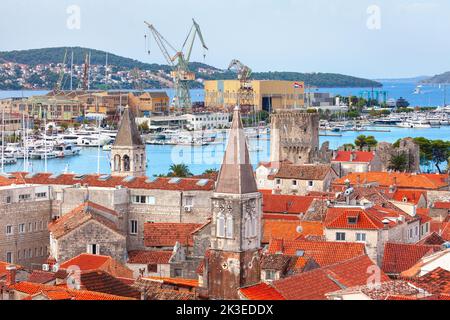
{"x": 201, "y": 158}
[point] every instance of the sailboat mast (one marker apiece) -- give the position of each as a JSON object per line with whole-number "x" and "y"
{"x": 71, "y": 73}
{"x": 3, "y": 139}
{"x": 45, "y": 142}
{"x": 106, "y": 71}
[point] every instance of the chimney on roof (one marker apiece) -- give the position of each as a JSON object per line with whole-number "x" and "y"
{"x": 352, "y": 156}
{"x": 358, "y": 179}
{"x": 11, "y": 272}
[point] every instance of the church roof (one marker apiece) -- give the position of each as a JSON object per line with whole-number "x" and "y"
{"x": 128, "y": 134}
{"x": 236, "y": 174}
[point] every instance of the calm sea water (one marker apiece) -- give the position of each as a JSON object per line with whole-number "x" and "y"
{"x": 199, "y": 159}
{"x": 431, "y": 95}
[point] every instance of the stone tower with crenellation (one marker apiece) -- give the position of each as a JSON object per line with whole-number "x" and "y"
{"x": 294, "y": 137}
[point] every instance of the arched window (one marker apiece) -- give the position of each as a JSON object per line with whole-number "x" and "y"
{"x": 229, "y": 226}
{"x": 117, "y": 164}
{"x": 142, "y": 161}
{"x": 220, "y": 226}
{"x": 126, "y": 163}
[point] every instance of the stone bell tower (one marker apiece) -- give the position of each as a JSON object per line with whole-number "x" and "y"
{"x": 234, "y": 255}
{"x": 128, "y": 152}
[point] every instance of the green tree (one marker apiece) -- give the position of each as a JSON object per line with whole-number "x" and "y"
{"x": 210, "y": 171}
{"x": 440, "y": 152}
{"x": 143, "y": 127}
{"x": 363, "y": 141}
{"x": 179, "y": 171}
{"x": 398, "y": 162}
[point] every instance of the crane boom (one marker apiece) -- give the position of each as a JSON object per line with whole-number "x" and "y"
{"x": 61, "y": 74}
{"x": 179, "y": 61}
{"x": 162, "y": 44}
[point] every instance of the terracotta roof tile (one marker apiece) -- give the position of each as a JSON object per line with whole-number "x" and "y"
{"x": 401, "y": 180}
{"x": 325, "y": 253}
{"x": 61, "y": 293}
{"x": 175, "y": 281}
{"x": 167, "y": 234}
{"x": 261, "y": 292}
{"x": 315, "y": 284}
{"x": 399, "y": 257}
{"x": 441, "y": 205}
{"x": 442, "y": 229}
{"x": 80, "y": 215}
{"x": 286, "y": 204}
{"x": 303, "y": 172}
{"x": 358, "y": 156}
{"x": 100, "y": 281}
{"x": 86, "y": 262}
{"x": 38, "y": 276}
{"x": 410, "y": 196}
{"x": 432, "y": 239}
{"x": 185, "y": 184}
{"x": 290, "y": 230}
{"x": 149, "y": 257}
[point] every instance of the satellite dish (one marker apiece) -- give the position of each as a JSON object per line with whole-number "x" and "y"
{"x": 299, "y": 229}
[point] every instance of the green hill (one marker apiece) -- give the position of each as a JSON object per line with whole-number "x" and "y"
{"x": 53, "y": 56}
{"x": 439, "y": 79}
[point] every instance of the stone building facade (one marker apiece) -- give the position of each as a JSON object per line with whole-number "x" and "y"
{"x": 24, "y": 214}
{"x": 407, "y": 147}
{"x": 294, "y": 137}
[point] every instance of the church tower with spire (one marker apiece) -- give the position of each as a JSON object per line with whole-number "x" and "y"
{"x": 128, "y": 152}
{"x": 234, "y": 257}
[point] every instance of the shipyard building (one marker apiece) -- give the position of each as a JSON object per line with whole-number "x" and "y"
{"x": 265, "y": 95}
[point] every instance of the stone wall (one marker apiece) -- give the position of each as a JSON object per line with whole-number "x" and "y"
{"x": 30, "y": 246}
{"x": 76, "y": 242}
{"x": 407, "y": 146}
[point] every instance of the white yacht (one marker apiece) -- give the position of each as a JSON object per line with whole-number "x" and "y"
{"x": 66, "y": 150}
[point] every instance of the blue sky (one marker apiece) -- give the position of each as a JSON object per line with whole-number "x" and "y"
{"x": 268, "y": 35}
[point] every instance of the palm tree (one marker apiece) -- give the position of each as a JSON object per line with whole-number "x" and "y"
{"x": 179, "y": 171}
{"x": 210, "y": 171}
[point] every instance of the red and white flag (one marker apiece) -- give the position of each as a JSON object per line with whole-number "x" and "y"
{"x": 298, "y": 85}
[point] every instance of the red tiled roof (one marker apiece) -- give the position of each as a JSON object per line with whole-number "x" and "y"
{"x": 435, "y": 282}
{"x": 167, "y": 234}
{"x": 432, "y": 239}
{"x": 79, "y": 216}
{"x": 149, "y": 257}
{"x": 86, "y": 262}
{"x": 101, "y": 281}
{"x": 315, "y": 284}
{"x": 38, "y": 276}
{"x": 61, "y": 293}
{"x": 290, "y": 230}
{"x": 3, "y": 266}
{"x": 442, "y": 205}
{"x": 284, "y": 217}
{"x": 442, "y": 229}
{"x": 358, "y": 156}
{"x": 399, "y": 257}
{"x": 411, "y": 196}
{"x": 373, "y": 218}
{"x": 184, "y": 184}
{"x": 303, "y": 172}
{"x": 261, "y": 292}
{"x": 325, "y": 253}
{"x": 175, "y": 281}
{"x": 288, "y": 204}
{"x": 401, "y": 180}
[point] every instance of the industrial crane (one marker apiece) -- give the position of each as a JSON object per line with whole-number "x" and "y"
{"x": 59, "y": 83}
{"x": 179, "y": 61}
{"x": 246, "y": 93}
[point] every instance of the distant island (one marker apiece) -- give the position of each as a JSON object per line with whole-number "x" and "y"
{"x": 41, "y": 68}
{"x": 443, "y": 78}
